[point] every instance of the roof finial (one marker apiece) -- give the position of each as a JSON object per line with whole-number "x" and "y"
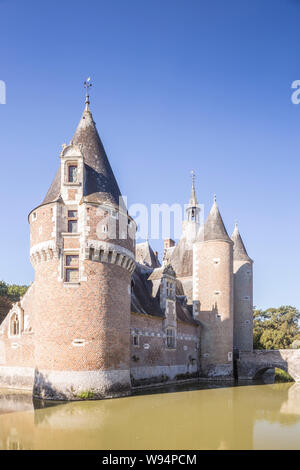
{"x": 193, "y": 179}
{"x": 215, "y": 198}
{"x": 236, "y": 225}
{"x": 87, "y": 85}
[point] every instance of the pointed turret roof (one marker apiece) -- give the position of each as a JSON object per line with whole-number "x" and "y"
{"x": 193, "y": 199}
{"x": 145, "y": 255}
{"x": 239, "y": 250}
{"x": 193, "y": 202}
{"x": 100, "y": 184}
{"x": 214, "y": 228}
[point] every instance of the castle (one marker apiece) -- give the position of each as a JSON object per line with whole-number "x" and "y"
{"x": 103, "y": 315}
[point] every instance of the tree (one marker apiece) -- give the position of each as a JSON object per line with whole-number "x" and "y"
{"x": 3, "y": 289}
{"x": 15, "y": 292}
{"x": 275, "y": 328}
{"x": 12, "y": 291}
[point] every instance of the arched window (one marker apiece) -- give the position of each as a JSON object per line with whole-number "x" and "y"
{"x": 14, "y": 325}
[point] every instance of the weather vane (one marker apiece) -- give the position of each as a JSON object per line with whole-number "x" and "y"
{"x": 87, "y": 85}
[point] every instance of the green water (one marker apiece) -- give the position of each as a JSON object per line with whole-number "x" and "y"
{"x": 235, "y": 417}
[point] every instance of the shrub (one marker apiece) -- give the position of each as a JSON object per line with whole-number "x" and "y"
{"x": 282, "y": 376}
{"x": 86, "y": 395}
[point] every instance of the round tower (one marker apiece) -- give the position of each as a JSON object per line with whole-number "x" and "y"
{"x": 243, "y": 295}
{"x": 213, "y": 292}
{"x": 82, "y": 250}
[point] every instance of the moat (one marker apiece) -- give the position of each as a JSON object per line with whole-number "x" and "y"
{"x": 205, "y": 416}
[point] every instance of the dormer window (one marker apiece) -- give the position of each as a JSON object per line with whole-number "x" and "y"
{"x": 72, "y": 173}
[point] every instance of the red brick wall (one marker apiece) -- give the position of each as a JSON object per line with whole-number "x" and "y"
{"x": 44, "y": 221}
{"x": 158, "y": 354}
{"x": 213, "y": 287}
{"x": 96, "y": 311}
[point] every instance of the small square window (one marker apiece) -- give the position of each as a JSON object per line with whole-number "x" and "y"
{"x": 72, "y": 221}
{"x": 71, "y": 268}
{"x": 72, "y": 214}
{"x": 72, "y": 260}
{"x": 71, "y": 275}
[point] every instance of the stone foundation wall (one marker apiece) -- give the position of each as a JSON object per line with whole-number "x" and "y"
{"x": 16, "y": 377}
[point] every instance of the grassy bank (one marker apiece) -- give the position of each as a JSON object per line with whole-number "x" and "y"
{"x": 282, "y": 376}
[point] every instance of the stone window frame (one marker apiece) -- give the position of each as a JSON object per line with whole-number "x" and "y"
{"x": 72, "y": 177}
{"x": 72, "y": 219}
{"x": 136, "y": 337}
{"x": 67, "y": 165}
{"x": 70, "y": 267}
{"x": 171, "y": 345}
{"x": 170, "y": 288}
{"x": 15, "y": 314}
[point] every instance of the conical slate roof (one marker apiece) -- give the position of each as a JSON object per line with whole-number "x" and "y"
{"x": 214, "y": 228}
{"x": 239, "y": 250}
{"x": 53, "y": 193}
{"x": 100, "y": 183}
{"x": 145, "y": 255}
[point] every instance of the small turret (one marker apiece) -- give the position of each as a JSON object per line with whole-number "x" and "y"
{"x": 181, "y": 255}
{"x": 191, "y": 225}
{"x": 193, "y": 209}
{"x": 213, "y": 292}
{"x": 243, "y": 295}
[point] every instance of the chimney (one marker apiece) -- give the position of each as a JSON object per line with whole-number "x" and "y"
{"x": 168, "y": 243}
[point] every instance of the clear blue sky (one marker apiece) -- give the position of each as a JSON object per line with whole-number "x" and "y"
{"x": 178, "y": 84}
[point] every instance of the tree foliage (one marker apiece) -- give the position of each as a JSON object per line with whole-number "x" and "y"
{"x": 276, "y": 328}
{"x": 12, "y": 291}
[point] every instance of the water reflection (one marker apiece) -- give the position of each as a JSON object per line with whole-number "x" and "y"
{"x": 241, "y": 417}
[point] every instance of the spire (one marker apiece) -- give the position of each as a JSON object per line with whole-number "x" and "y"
{"x": 193, "y": 199}
{"x": 100, "y": 185}
{"x": 239, "y": 250}
{"x": 193, "y": 209}
{"x": 214, "y": 228}
{"x": 87, "y": 85}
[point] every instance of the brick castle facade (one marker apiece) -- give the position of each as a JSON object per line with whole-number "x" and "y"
{"x": 103, "y": 314}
